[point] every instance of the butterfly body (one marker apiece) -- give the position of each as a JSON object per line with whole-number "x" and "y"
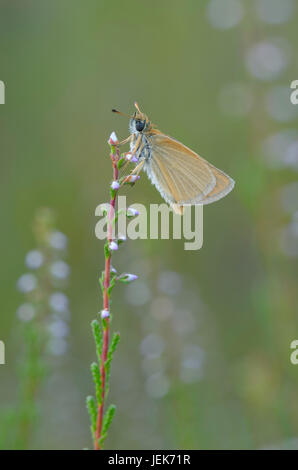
{"x": 180, "y": 175}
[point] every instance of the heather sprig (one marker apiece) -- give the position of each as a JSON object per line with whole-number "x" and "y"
{"x": 42, "y": 325}
{"x": 101, "y": 420}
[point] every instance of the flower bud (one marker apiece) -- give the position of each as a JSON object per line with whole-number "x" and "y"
{"x": 113, "y": 270}
{"x": 130, "y": 157}
{"x": 131, "y": 212}
{"x": 113, "y": 246}
{"x": 113, "y": 140}
{"x": 126, "y": 277}
{"x": 105, "y": 313}
{"x": 115, "y": 185}
{"x": 132, "y": 178}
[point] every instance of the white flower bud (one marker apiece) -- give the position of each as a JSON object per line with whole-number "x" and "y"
{"x": 105, "y": 313}
{"x": 132, "y": 178}
{"x": 128, "y": 277}
{"x": 113, "y": 246}
{"x": 113, "y": 140}
{"x": 132, "y": 212}
{"x": 115, "y": 185}
{"x": 129, "y": 157}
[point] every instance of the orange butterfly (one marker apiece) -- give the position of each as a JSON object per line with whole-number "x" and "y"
{"x": 180, "y": 175}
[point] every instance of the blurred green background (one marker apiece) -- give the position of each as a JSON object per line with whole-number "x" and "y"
{"x": 204, "y": 357}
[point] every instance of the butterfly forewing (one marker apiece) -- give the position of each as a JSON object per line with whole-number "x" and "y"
{"x": 183, "y": 176}
{"x": 224, "y": 184}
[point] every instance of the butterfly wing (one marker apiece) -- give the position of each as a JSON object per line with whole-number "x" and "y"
{"x": 183, "y": 177}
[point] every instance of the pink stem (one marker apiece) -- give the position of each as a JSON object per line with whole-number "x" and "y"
{"x": 106, "y": 306}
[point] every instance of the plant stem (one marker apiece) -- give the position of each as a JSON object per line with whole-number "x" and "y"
{"x": 106, "y": 305}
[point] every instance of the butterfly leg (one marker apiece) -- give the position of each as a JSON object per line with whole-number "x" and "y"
{"x": 136, "y": 147}
{"x": 135, "y": 151}
{"x": 137, "y": 168}
{"x": 125, "y": 141}
{"x": 136, "y": 171}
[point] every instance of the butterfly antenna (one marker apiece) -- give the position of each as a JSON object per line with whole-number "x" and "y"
{"x": 137, "y": 106}
{"x": 121, "y": 114}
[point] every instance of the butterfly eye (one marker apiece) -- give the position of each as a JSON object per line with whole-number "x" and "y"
{"x": 140, "y": 125}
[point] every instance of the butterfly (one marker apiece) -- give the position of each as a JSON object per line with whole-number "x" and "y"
{"x": 180, "y": 175}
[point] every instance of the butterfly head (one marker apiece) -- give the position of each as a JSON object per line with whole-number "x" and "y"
{"x": 139, "y": 122}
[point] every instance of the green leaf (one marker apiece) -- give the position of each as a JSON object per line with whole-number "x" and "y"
{"x": 121, "y": 162}
{"x": 107, "y": 250}
{"x": 101, "y": 280}
{"x": 112, "y": 349}
{"x": 114, "y": 343}
{"x": 92, "y": 410}
{"x": 112, "y": 284}
{"x": 107, "y": 420}
{"x": 97, "y": 382}
{"x": 97, "y": 334}
{"x": 108, "y": 417}
{"x": 101, "y": 440}
{"x": 104, "y": 322}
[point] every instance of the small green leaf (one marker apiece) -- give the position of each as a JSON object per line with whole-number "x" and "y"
{"x": 104, "y": 323}
{"x": 97, "y": 334}
{"x": 92, "y": 410}
{"x": 121, "y": 162}
{"x": 112, "y": 284}
{"x": 101, "y": 280}
{"x": 114, "y": 343}
{"x": 101, "y": 440}
{"x": 108, "y": 417}
{"x": 107, "y": 250}
{"x": 112, "y": 349}
{"x": 97, "y": 382}
{"x": 107, "y": 420}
